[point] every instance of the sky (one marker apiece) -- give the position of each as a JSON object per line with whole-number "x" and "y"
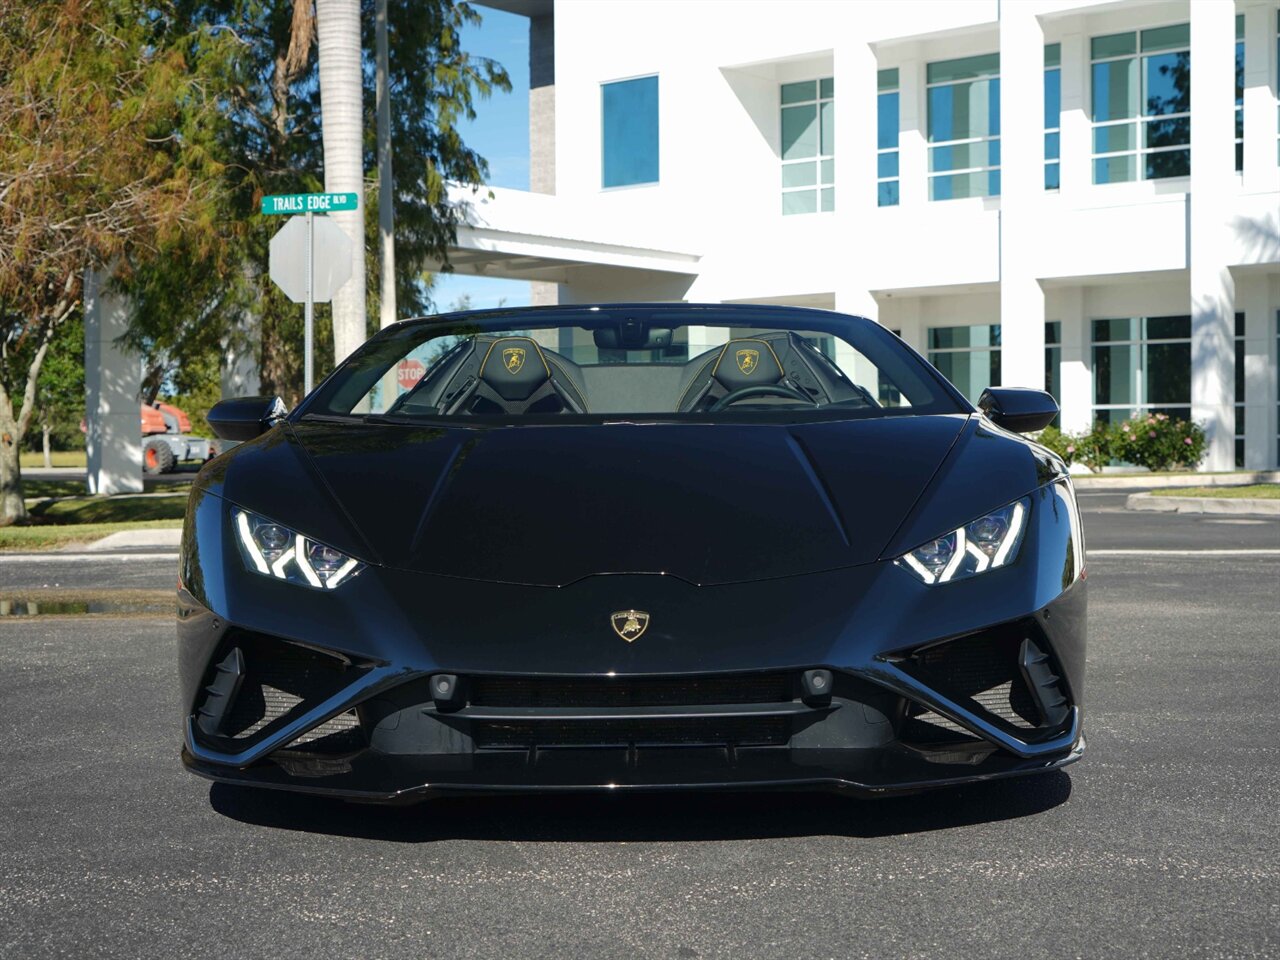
{"x": 500, "y": 134}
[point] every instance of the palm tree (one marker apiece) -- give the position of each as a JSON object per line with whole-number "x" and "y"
{"x": 342, "y": 116}
{"x": 386, "y": 191}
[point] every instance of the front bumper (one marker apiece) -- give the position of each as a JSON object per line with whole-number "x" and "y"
{"x": 929, "y": 685}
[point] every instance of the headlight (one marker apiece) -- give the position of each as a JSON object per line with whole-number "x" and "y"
{"x": 276, "y": 551}
{"x": 986, "y": 543}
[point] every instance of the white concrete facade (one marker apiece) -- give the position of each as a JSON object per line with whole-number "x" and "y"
{"x": 1202, "y": 247}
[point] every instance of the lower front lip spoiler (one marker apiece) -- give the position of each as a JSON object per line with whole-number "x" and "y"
{"x": 882, "y": 672}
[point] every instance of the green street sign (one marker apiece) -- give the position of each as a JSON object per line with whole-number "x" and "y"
{"x": 292, "y": 203}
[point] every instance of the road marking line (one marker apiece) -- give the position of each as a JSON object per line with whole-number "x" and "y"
{"x": 1260, "y": 552}
{"x": 81, "y": 557}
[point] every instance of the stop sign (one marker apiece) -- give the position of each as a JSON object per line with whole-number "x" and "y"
{"x": 408, "y": 373}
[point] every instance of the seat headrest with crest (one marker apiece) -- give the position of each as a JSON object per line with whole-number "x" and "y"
{"x": 745, "y": 363}
{"x": 514, "y": 367}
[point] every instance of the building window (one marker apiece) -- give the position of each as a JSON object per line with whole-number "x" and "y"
{"x": 629, "y": 132}
{"x": 1141, "y": 365}
{"x": 1053, "y": 362}
{"x": 967, "y": 356}
{"x": 887, "y": 138}
{"x": 1239, "y": 395}
{"x": 964, "y": 127}
{"x": 1142, "y": 104}
{"x": 808, "y": 146}
{"x": 1239, "y": 92}
{"x": 1052, "y": 114}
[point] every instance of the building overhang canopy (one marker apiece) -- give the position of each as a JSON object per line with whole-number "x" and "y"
{"x": 516, "y": 235}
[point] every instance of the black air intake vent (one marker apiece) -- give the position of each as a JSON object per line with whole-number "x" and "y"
{"x": 631, "y": 691}
{"x": 650, "y": 732}
{"x": 1002, "y": 673}
{"x": 263, "y": 680}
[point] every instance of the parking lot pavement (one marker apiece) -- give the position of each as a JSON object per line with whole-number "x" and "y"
{"x": 1163, "y": 841}
{"x": 1109, "y": 526}
{"x": 145, "y": 569}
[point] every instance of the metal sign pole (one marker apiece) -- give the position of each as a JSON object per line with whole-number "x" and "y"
{"x": 308, "y": 377}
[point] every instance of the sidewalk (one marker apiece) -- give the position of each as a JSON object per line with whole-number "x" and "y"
{"x": 1233, "y": 506}
{"x": 130, "y": 539}
{"x": 1163, "y": 481}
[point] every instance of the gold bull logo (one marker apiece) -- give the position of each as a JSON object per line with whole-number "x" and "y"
{"x": 748, "y": 360}
{"x": 629, "y": 624}
{"x": 513, "y": 359}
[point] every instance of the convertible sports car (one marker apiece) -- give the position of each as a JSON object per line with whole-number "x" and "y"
{"x": 634, "y": 546}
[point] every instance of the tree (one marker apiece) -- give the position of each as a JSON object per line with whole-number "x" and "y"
{"x": 386, "y": 192}
{"x": 105, "y": 125}
{"x": 272, "y": 143}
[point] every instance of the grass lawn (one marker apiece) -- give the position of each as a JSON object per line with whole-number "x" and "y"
{"x": 61, "y": 458}
{"x": 1254, "y": 491}
{"x": 47, "y": 536}
{"x": 82, "y": 510}
{"x": 56, "y": 523}
{"x": 38, "y": 489}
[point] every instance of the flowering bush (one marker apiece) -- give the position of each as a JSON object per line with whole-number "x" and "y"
{"x": 1151, "y": 440}
{"x": 1058, "y": 442}
{"x": 1156, "y": 442}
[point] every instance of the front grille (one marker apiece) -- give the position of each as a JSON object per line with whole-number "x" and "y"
{"x": 276, "y": 679}
{"x": 630, "y": 691}
{"x": 982, "y": 668}
{"x": 709, "y": 731}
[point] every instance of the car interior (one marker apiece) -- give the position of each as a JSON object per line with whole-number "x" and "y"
{"x": 513, "y": 374}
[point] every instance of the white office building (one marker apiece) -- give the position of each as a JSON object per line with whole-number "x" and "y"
{"x": 1029, "y": 192}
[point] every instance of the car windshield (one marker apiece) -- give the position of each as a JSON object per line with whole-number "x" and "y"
{"x": 635, "y": 362}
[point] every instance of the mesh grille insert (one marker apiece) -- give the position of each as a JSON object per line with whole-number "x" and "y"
{"x": 630, "y": 691}
{"x": 279, "y": 678}
{"x": 712, "y": 731}
{"x": 982, "y": 668}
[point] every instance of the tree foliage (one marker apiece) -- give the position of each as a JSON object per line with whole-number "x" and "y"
{"x": 107, "y": 127}
{"x": 269, "y": 142}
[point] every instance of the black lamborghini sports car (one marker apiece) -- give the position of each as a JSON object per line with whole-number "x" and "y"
{"x": 631, "y": 547}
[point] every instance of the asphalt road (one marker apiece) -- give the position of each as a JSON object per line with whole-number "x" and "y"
{"x": 1162, "y": 842}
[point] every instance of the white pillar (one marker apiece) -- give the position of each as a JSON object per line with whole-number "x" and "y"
{"x": 1261, "y": 174}
{"x": 112, "y": 380}
{"x": 911, "y": 325}
{"x": 1022, "y": 195}
{"x": 1253, "y": 300}
{"x": 856, "y": 93}
{"x": 1212, "y": 183}
{"x": 1077, "y": 362}
{"x": 1075, "y": 166}
{"x": 913, "y": 151}
{"x": 241, "y": 348}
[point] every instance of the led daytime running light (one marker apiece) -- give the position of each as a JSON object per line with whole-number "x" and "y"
{"x": 294, "y": 564}
{"x": 971, "y": 556}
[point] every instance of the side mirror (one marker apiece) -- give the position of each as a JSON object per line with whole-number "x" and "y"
{"x": 244, "y": 418}
{"x": 1019, "y": 409}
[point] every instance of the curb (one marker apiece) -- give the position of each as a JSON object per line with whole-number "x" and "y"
{"x": 1156, "y": 481}
{"x": 1199, "y": 505}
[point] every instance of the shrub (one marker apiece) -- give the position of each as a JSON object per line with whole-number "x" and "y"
{"x": 1156, "y": 442}
{"x": 1059, "y": 442}
{"x": 1096, "y": 448}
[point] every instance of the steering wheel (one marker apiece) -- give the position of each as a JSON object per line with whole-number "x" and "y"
{"x": 761, "y": 390}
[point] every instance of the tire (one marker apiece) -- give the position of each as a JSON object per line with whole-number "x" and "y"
{"x": 157, "y": 458}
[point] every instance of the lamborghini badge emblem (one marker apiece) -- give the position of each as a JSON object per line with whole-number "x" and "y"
{"x": 748, "y": 360}
{"x": 513, "y": 359}
{"x": 629, "y": 624}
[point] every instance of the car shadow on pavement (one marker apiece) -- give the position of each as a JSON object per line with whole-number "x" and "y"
{"x": 648, "y": 817}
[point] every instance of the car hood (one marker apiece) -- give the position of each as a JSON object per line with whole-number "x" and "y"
{"x": 550, "y": 505}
